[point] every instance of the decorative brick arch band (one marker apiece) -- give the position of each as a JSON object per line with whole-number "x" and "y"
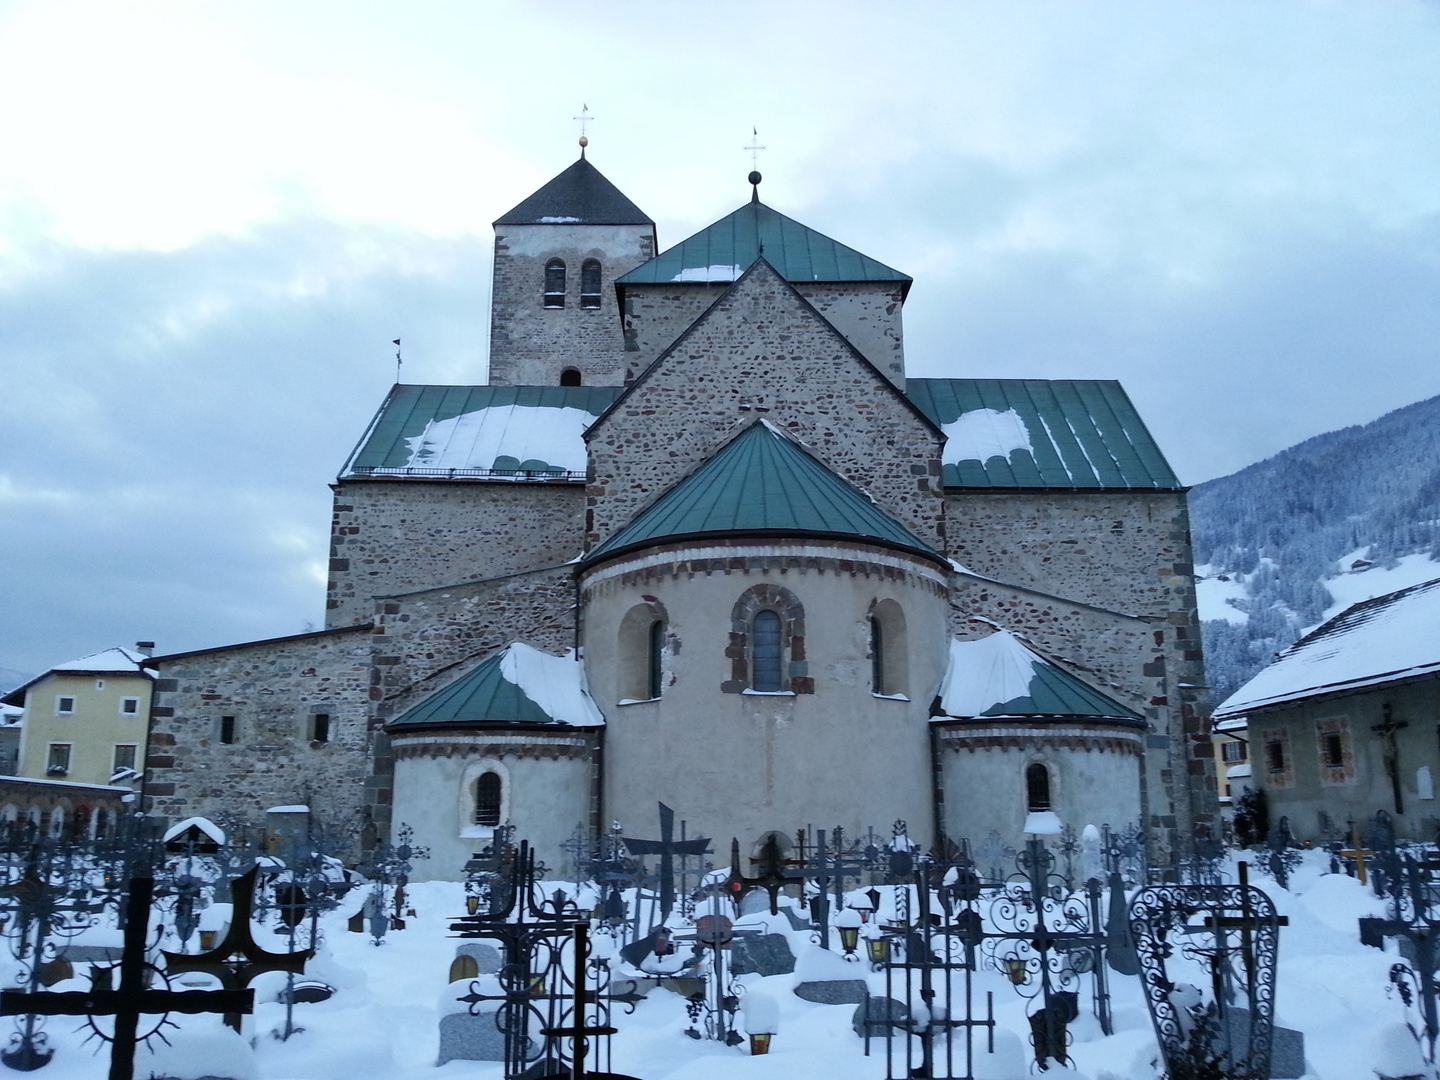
{"x": 784, "y": 603}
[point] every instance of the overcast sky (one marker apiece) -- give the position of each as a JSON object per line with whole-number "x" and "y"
{"x": 214, "y": 217}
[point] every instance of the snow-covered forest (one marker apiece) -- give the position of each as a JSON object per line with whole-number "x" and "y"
{"x": 1285, "y": 543}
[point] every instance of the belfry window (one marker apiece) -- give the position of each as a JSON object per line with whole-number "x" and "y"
{"x": 765, "y": 651}
{"x": 555, "y": 283}
{"x": 1037, "y": 788}
{"x": 487, "y": 799}
{"x": 590, "y": 284}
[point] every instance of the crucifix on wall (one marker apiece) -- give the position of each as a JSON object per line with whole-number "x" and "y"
{"x": 1386, "y": 729}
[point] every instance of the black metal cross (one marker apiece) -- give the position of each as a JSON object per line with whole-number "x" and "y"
{"x": 132, "y": 999}
{"x": 667, "y": 847}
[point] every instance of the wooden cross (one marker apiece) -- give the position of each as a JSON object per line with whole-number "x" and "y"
{"x": 132, "y": 999}
{"x": 1358, "y": 853}
{"x": 221, "y": 962}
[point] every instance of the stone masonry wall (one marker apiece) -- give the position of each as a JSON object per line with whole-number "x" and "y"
{"x": 763, "y": 352}
{"x": 425, "y": 641}
{"x": 867, "y": 314}
{"x": 272, "y": 689}
{"x": 1104, "y": 581}
{"x": 401, "y": 536}
{"x": 530, "y": 344}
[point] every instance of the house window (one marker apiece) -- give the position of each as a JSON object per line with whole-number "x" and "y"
{"x": 130, "y": 706}
{"x": 555, "y": 283}
{"x": 319, "y": 727}
{"x": 124, "y": 757}
{"x": 590, "y": 284}
{"x": 227, "y": 729}
{"x": 1275, "y": 756}
{"x": 1232, "y": 752}
{"x": 1037, "y": 787}
{"x": 487, "y": 799}
{"x": 58, "y": 762}
{"x": 1332, "y": 750}
{"x": 765, "y": 652}
{"x": 99, "y": 684}
{"x": 570, "y": 377}
{"x": 64, "y": 706}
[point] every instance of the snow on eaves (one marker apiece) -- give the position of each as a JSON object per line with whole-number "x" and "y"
{"x": 119, "y": 659}
{"x": 1395, "y": 636}
{"x": 714, "y": 272}
{"x": 556, "y": 684}
{"x": 980, "y": 434}
{"x": 986, "y": 673}
{"x": 529, "y": 436}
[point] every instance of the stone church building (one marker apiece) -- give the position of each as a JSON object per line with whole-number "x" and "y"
{"x": 701, "y": 540}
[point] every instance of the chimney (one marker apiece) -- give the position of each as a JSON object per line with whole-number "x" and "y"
{"x": 145, "y": 648}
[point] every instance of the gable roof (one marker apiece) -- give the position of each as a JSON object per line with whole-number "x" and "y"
{"x": 762, "y": 483}
{"x": 486, "y": 432}
{"x": 1000, "y": 676}
{"x": 722, "y": 251}
{"x": 518, "y": 685}
{"x": 1041, "y": 433}
{"x": 578, "y": 196}
{"x": 118, "y": 661}
{"x": 1390, "y": 638}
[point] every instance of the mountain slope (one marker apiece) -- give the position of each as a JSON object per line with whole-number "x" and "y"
{"x": 1283, "y": 540}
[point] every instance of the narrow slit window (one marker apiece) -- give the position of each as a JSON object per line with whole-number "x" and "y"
{"x": 487, "y": 800}
{"x": 590, "y": 284}
{"x": 555, "y": 284}
{"x": 227, "y": 729}
{"x": 877, "y": 657}
{"x": 1037, "y": 788}
{"x": 320, "y": 727}
{"x": 766, "y": 652}
{"x": 657, "y": 652}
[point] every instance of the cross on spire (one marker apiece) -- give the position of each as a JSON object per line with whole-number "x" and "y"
{"x": 584, "y": 118}
{"x": 755, "y": 148}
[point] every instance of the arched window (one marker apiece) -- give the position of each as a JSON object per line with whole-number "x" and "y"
{"x": 555, "y": 283}
{"x": 877, "y": 656}
{"x": 889, "y": 653}
{"x": 765, "y": 651}
{"x": 590, "y": 284}
{"x": 487, "y": 799}
{"x": 1037, "y": 787}
{"x": 570, "y": 377}
{"x": 57, "y": 822}
{"x": 640, "y": 650}
{"x": 656, "y": 656}
{"x": 102, "y": 824}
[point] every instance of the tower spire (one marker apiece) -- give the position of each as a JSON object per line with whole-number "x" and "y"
{"x": 584, "y": 118}
{"x": 754, "y": 177}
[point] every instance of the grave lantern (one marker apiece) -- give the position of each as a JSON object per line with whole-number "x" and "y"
{"x": 760, "y": 1043}
{"x": 472, "y": 904}
{"x": 663, "y": 945}
{"x": 873, "y": 895}
{"x": 1015, "y": 969}
{"x": 849, "y": 938}
{"x": 879, "y": 950}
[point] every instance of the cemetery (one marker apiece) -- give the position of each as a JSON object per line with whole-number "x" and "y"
{"x": 249, "y": 951}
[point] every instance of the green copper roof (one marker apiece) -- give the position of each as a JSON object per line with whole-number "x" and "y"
{"x": 724, "y": 250}
{"x": 762, "y": 482}
{"x": 490, "y": 432}
{"x": 999, "y": 676}
{"x": 518, "y": 685}
{"x": 1041, "y": 433}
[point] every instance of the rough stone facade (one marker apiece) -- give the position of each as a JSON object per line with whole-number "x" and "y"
{"x": 401, "y": 536}
{"x": 763, "y": 351}
{"x": 273, "y": 690}
{"x": 531, "y": 344}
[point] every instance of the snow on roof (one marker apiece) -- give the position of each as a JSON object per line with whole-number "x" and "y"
{"x": 999, "y": 675}
{"x": 980, "y": 434}
{"x": 714, "y": 272}
{"x": 520, "y": 437}
{"x": 205, "y": 825}
{"x": 1395, "y": 636}
{"x": 118, "y": 659}
{"x": 555, "y": 683}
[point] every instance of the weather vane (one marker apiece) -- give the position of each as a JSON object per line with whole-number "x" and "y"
{"x": 397, "y": 360}
{"x": 584, "y": 118}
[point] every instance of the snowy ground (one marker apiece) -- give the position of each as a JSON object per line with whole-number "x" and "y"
{"x": 383, "y": 1021}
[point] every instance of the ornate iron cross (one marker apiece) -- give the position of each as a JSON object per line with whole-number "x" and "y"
{"x": 667, "y": 847}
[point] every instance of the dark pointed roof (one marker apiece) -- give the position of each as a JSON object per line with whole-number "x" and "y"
{"x": 518, "y": 685}
{"x": 722, "y": 251}
{"x": 762, "y": 483}
{"x": 578, "y": 196}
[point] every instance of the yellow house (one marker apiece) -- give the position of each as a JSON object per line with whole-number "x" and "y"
{"x": 85, "y": 721}
{"x": 1232, "y": 760}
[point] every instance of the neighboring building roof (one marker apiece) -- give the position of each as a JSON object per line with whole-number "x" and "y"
{"x": 485, "y": 432}
{"x": 722, "y": 251}
{"x": 1384, "y": 640}
{"x": 999, "y": 676}
{"x": 334, "y": 631}
{"x": 578, "y": 196}
{"x": 518, "y": 685}
{"x": 116, "y": 661}
{"x": 1041, "y": 433}
{"x": 762, "y": 483}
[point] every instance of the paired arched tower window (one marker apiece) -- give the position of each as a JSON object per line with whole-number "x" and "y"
{"x": 589, "y": 284}
{"x": 767, "y": 643}
{"x": 555, "y": 283}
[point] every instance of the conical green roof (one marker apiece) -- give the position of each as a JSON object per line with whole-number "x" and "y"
{"x": 518, "y": 685}
{"x": 722, "y": 251}
{"x": 999, "y": 676}
{"x": 762, "y": 483}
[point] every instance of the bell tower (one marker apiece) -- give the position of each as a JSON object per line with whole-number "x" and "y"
{"x": 554, "y": 319}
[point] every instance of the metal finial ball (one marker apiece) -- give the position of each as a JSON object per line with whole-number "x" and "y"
{"x": 754, "y": 177}
{"x": 584, "y": 142}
